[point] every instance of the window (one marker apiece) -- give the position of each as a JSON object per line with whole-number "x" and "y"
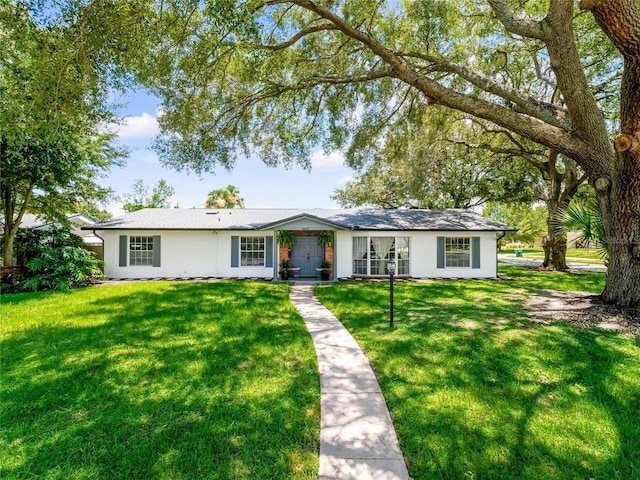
{"x": 380, "y": 254}
{"x": 252, "y": 251}
{"x": 371, "y": 255}
{"x": 402, "y": 255}
{"x": 457, "y": 252}
{"x": 140, "y": 250}
{"x": 360, "y": 255}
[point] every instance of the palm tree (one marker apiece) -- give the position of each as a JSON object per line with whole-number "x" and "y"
{"x": 586, "y": 218}
{"x": 228, "y": 197}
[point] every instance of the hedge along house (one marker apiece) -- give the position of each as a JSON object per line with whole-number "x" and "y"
{"x": 243, "y": 243}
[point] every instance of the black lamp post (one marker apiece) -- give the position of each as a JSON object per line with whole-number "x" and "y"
{"x": 391, "y": 268}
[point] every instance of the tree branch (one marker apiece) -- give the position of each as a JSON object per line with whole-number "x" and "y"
{"x": 301, "y": 34}
{"x": 576, "y": 93}
{"x": 546, "y": 134}
{"x": 524, "y": 28}
{"x": 546, "y": 112}
{"x": 359, "y": 78}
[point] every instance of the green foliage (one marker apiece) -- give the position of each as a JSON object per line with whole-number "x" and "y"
{"x": 171, "y": 380}
{"x": 30, "y": 241}
{"x": 55, "y": 260}
{"x": 586, "y": 218}
{"x": 436, "y": 161}
{"x": 325, "y": 237}
{"x": 53, "y": 149}
{"x": 228, "y": 197}
{"x": 530, "y": 221}
{"x": 278, "y": 79}
{"x": 61, "y": 269}
{"x": 160, "y": 196}
{"x": 286, "y": 238}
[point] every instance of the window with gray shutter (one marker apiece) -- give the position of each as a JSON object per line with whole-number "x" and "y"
{"x": 475, "y": 252}
{"x": 268, "y": 261}
{"x": 124, "y": 250}
{"x": 156, "y": 250}
{"x": 235, "y": 251}
{"x": 440, "y": 248}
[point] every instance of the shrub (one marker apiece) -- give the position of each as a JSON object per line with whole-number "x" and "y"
{"x": 54, "y": 259}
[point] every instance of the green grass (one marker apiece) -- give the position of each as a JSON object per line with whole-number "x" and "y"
{"x": 161, "y": 380}
{"x": 477, "y": 391}
{"x": 577, "y": 255}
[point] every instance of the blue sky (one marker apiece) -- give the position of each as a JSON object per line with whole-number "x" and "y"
{"x": 259, "y": 185}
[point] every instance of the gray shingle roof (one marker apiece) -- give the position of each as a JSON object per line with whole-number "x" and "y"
{"x": 257, "y": 219}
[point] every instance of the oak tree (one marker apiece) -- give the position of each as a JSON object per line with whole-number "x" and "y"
{"x": 280, "y": 76}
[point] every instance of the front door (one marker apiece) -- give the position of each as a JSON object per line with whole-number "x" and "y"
{"x": 307, "y": 255}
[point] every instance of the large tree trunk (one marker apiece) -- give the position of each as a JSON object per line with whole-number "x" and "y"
{"x": 619, "y": 191}
{"x": 561, "y": 188}
{"x": 555, "y": 250}
{"x": 620, "y": 205}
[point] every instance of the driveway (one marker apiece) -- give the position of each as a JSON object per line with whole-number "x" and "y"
{"x": 511, "y": 260}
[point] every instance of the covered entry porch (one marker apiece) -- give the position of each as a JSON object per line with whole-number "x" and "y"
{"x": 305, "y": 249}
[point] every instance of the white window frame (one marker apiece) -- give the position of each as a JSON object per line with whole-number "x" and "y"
{"x": 142, "y": 256}
{"x": 252, "y": 240}
{"x": 403, "y": 265}
{"x": 457, "y": 246}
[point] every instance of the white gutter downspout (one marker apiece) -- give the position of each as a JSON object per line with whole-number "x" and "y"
{"x": 504, "y": 234}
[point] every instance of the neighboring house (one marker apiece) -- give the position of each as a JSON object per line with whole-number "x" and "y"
{"x": 242, "y": 243}
{"x": 77, "y": 221}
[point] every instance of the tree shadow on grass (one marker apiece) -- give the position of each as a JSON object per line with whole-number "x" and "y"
{"x": 477, "y": 391}
{"x": 175, "y": 381}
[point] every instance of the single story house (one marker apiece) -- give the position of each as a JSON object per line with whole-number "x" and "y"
{"x": 243, "y": 243}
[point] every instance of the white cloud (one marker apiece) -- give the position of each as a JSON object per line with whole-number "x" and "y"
{"x": 143, "y": 126}
{"x": 322, "y": 161}
{"x": 344, "y": 180}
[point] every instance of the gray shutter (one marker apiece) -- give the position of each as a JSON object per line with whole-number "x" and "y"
{"x": 475, "y": 252}
{"x": 268, "y": 254}
{"x": 123, "y": 251}
{"x": 440, "y": 261}
{"x": 235, "y": 251}
{"x": 156, "y": 250}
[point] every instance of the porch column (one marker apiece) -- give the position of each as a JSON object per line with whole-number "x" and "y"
{"x": 276, "y": 255}
{"x": 331, "y": 252}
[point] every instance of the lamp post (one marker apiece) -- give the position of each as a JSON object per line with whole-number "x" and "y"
{"x": 391, "y": 268}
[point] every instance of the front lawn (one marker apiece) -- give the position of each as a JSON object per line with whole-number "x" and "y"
{"x": 158, "y": 380}
{"x": 477, "y": 391}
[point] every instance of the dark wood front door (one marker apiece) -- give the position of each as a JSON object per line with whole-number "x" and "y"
{"x": 307, "y": 255}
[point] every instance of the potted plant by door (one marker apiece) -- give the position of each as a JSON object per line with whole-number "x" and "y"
{"x": 325, "y": 270}
{"x": 285, "y": 269}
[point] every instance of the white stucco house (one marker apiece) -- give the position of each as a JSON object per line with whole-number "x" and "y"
{"x": 243, "y": 243}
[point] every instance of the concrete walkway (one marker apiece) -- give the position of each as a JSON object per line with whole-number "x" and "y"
{"x": 357, "y": 438}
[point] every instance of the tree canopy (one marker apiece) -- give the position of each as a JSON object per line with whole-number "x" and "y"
{"x": 228, "y": 197}
{"x": 53, "y": 151}
{"x": 140, "y": 197}
{"x": 438, "y": 161}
